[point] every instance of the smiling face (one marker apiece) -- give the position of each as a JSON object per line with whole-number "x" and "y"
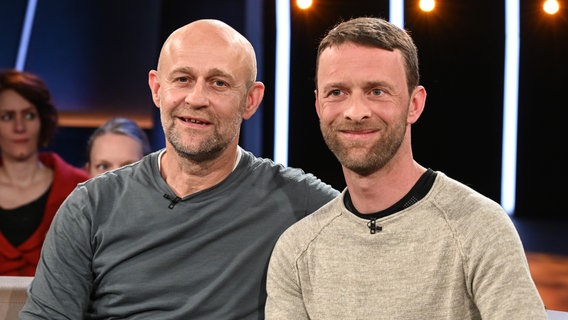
{"x": 110, "y": 151}
{"x": 19, "y": 126}
{"x": 204, "y": 87}
{"x": 363, "y": 104}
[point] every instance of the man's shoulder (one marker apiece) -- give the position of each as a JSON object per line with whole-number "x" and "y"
{"x": 463, "y": 207}
{"x": 141, "y": 170}
{"x": 276, "y": 171}
{"x": 311, "y": 226}
{"x": 452, "y": 193}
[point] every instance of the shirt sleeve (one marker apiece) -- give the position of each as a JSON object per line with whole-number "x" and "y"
{"x": 63, "y": 280}
{"x": 284, "y": 292}
{"x": 497, "y": 268}
{"x": 317, "y": 193}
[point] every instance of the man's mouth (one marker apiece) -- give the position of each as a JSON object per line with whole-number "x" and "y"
{"x": 192, "y": 120}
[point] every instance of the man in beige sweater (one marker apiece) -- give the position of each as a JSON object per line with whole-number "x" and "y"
{"x": 402, "y": 241}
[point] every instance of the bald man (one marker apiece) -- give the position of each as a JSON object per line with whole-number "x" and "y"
{"x": 185, "y": 233}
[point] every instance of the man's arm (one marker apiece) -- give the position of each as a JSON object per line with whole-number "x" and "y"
{"x": 501, "y": 283}
{"x": 284, "y": 299}
{"x": 62, "y": 284}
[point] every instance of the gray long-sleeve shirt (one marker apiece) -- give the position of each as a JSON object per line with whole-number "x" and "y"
{"x": 119, "y": 248}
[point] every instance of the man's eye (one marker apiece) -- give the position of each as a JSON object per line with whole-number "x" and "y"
{"x": 219, "y": 83}
{"x": 377, "y": 92}
{"x": 335, "y": 92}
{"x": 182, "y": 79}
{"x": 6, "y": 117}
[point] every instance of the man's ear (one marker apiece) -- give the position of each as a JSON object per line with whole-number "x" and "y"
{"x": 416, "y": 105}
{"x": 154, "y": 84}
{"x": 254, "y": 97}
{"x": 317, "y": 103}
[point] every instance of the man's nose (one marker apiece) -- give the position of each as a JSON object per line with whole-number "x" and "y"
{"x": 198, "y": 94}
{"x": 357, "y": 109}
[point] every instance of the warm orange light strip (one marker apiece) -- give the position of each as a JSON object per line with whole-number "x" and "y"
{"x": 93, "y": 120}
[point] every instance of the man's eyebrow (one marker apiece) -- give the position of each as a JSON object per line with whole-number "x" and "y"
{"x": 182, "y": 70}
{"x": 333, "y": 85}
{"x": 384, "y": 85}
{"x": 370, "y": 84}
{"x": 216, "y": 72}
{"x": 171, "y": 75}
{"x": 366, "y": 85}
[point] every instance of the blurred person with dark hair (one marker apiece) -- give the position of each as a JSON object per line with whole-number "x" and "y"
{"x": 33, "y": 184}
{"x": 116, "y": 143}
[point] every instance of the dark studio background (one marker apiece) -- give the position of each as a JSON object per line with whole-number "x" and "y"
{"x": 95, "y": 56}
{"x": 461, "y": 51}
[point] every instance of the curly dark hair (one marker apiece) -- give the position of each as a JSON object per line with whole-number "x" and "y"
{"x": 33, "y": 89}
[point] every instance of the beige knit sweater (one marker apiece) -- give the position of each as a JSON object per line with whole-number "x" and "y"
{"x": 455, "y": 254}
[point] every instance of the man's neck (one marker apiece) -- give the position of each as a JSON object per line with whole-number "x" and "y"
{"x": 381, "y": 189}
{"x": 186, "y": 177}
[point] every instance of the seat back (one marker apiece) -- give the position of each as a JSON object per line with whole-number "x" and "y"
{"x": 13, "y": 295}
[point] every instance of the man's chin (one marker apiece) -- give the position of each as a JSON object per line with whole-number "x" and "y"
{"x": 198, "y": 155}
{"x": 360, "y": 168}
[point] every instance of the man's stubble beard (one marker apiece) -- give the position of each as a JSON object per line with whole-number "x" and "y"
{"x": 363, "y": 159}
{"x": 207, "y": 150}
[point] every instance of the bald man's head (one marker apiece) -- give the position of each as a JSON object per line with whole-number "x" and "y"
{"x": 210, "y": 34}
{"x": 205, "y": 87}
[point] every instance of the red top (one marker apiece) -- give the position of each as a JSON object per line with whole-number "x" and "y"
{"x": 22, "y": 260}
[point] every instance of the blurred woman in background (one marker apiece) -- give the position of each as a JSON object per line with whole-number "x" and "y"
{"x": 118, "y": 142}
{"x": 33, "y": 184}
